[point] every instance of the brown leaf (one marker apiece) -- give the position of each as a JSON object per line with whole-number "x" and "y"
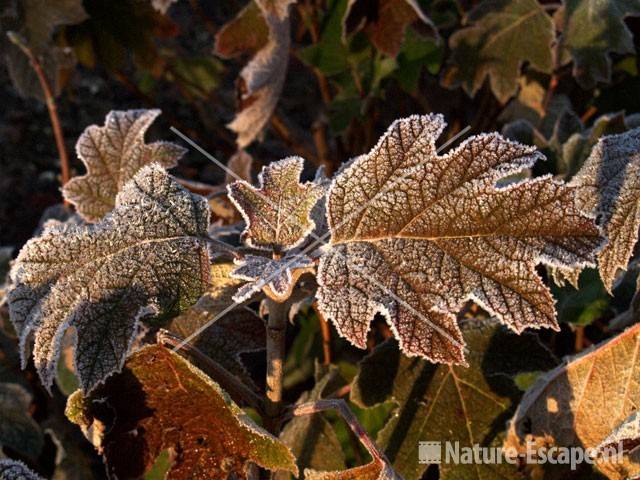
{"x": 261, "y": 80}
{"x": 414, "y": 235}
{"x": 278, "y": 212}
{"x": 113, "y": 154}
{"x": 385, "y": 22}
{"x": 161, "y": 402}
{"x": 246, "y": 33}
{"x": 374, "y": 470}
{"x": 581, "y": 402}
{"x": 609, "y": 185}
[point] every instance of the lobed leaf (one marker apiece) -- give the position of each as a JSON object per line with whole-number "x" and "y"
{"x": 501, "y": 37}
{"x": 447, "y": 403}
{"x": 171, "y": 405}
{"x": 113, "y": 154}
{"x": 16, "y": 470}
{"x": 414, "y": 235}
{"x": 580, "y": 403}
{"x": 609, "y": 185}
{"x": 148, "y": 256}
{"x": 277, "y": 213}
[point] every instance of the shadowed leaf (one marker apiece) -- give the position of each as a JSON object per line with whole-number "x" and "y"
{"x": 147, "y": 256}
{"x": 171, "y": 405}
{"x": 246, "y": 33}
{"x": 414, "y": 235}
{"x": 15, "y": 470}
{"x": 449, "y": 403}
{"x": 609, "y": 185}
{"x": 113, "y": 154}
{"x": 18, "y": 430}
{"x": 277, "y": 213}
{"x": 502, "y": 35}
{"x": 580, "y": 403}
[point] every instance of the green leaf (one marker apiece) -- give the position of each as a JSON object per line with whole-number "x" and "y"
{"x": 502, "y": 35}
{"x": 582, "y": 306}
{"x": 450, "y": 403}
{"x": 172, "y": 405}
{"x": 591, "y": 30}
{"x": 148, "y": 256}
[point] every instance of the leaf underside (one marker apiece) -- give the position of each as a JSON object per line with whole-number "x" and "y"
{"x": 147, "y": 256}
{"x": 112, "y": 155}
{"x": 414, "y": 235}
{"x": 171, "y": 405}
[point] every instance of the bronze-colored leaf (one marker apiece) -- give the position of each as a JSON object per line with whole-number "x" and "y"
{"x": 609, "y": 185}
{"x": 414, "y": 235}
{"x": 161, "y": 402}
{"x": 277, "y": 213}
{"x": 113, "y": 154}
{"x": 246, "y": 33}
{"x": 580, "y": 403}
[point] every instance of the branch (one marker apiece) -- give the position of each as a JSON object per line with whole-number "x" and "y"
{"x": 230, "y": 383}
{"x": 326, "y": 334}
{"x": 276, "y": 330}
{"x": 21, "y": 43}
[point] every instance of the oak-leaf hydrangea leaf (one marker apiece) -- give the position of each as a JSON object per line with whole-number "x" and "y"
{"x": 247, "y": 32}
{"x": 501, "y": 36}
{"x": 113, "y": 154}
{"x": 16, "y": 470}
{"x": 277, "y": 213}
{"x": 276, "y": 277}
{"x": 414, "y": 235}
{"x": 172, "y": 405}
{"x": 609, "y": 185}
{"x": 149, "y": 255}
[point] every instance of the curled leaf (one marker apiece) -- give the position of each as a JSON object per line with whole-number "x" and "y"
{"x": 172, "y": 405}
{"x": 261, "y": 80}
{"x": 609, "y": 185}
{"x": 246, "y": 33}
{"x": 149, "y": 255}
{"x": 275, "y": 277}
{"x": 277, "y": 213}
{"x": 113, "y": 154}
{"x": 414, "y": 235}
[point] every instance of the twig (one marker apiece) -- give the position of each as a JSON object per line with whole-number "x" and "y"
{"x": 319, "y": 131}
{"x": 326, "y": 334}
{"x": 276, "y": 330}
{"x": 293, "y": 141}
{"x": 21, "y": 43}
{"x": 230, "y": 383}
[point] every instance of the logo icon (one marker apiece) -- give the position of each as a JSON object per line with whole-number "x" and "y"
{"x": 429, "y": 452}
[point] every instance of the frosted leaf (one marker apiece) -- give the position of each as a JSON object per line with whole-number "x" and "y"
{"x": 113, "y": 154}
{"x": 414, "y": 235}
{"x": 374, "y": 470}
{"x": 277, "y": 213}
{"x": 275, "y": 277}
{"x": 237, "y": 331}
{"x": 149, "y": 254}
{"x": 628, "y": 432}
{"x": 162, "y": 402}
{"x": 262, "y": 79}
{"x": 609, "y": 185}
{"x": 16, "y": 470}
{"x": 581, "y": 402}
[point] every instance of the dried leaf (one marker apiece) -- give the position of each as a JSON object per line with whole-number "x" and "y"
{"x": 171, "y": 405}
{"x": 246, "y": 33}
{"x": 374, "y": 470}
{"x": 385, "y": 22}
{"x": 261, "y": 80}
{"x": 148, "y": 255}
{"x": 278, "y": 212}
{"x": 162, "y": 6}
{"x": 239, "y": 166}
{"x": 414, "y": 235}
{"x": 113, "y": 154}
{"x": 627, "y": 433}
{"x": 502, "y": 35}
{"x": 609, "y": 185}
{"x": 275, "y": 277}
{"x": 590, "y": 32}
{"x": 15, "y": 470}
{"x": 18, "y": 430}
{"x": 449, "y": 403}
{"x": 236, "y": 332}
{"x": 582, "y": 401}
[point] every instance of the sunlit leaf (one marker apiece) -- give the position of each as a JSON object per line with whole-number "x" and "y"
{"x": 148, "y": 256}
{"x": 172, "y": 405}
{"x": 449, "y": 403}
{"x": 582, "y": 401}
{"x": 609, "y": 185}
{"x": 113, "y": 154}
{"x": 414, "y": 235}
{"x": 501, "y": 36}
{"x": 277, "y": 213}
